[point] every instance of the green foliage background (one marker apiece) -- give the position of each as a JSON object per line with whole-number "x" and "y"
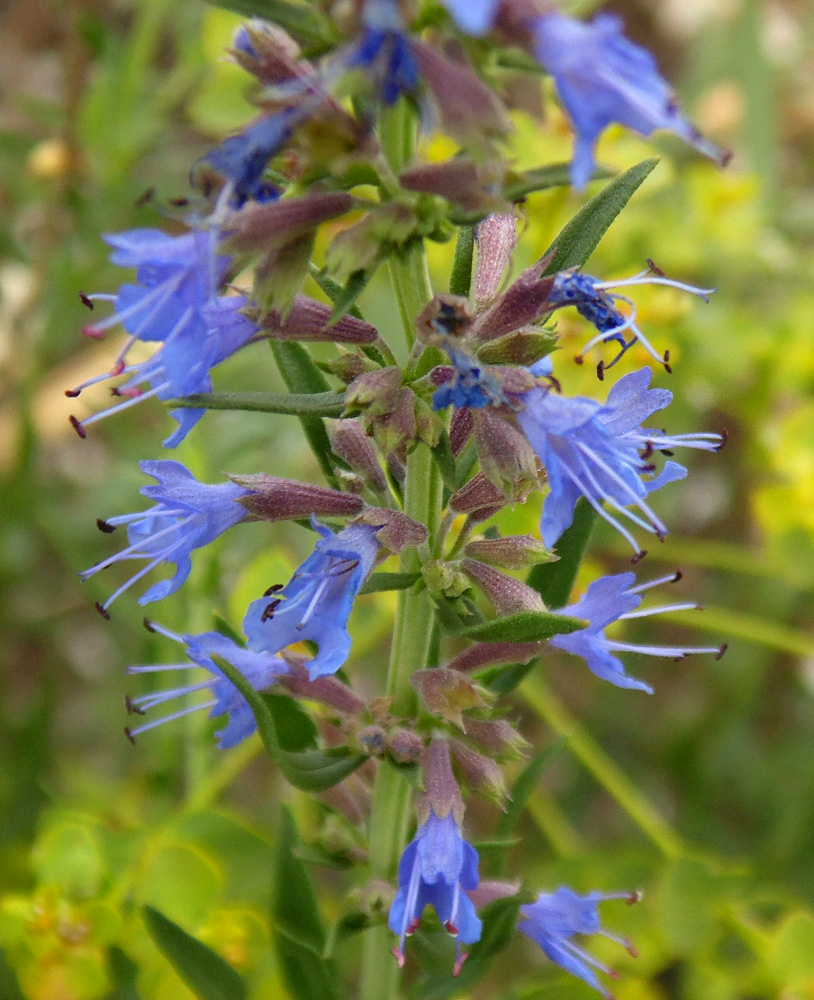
{"x": 702, "y": 794}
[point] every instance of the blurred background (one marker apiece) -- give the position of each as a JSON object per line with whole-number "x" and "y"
{"x": 703, "y": 794}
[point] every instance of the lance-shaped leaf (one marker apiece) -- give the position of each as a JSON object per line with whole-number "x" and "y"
{"x": 554, "y": 581}
{"x": 526, "y": 626}
{"x": 581, "y": 236}
{"x": 309, "y": 770}
{"x": 301, "y": 375}
{"x": 209, "y": 976}
{"x": 300, "y": 931}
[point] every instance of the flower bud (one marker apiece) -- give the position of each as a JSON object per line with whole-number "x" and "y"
{"x": 371, "y": 740}
{"x": 485, "y": 654}
{"x": 448, "y": 693}
{"x": 328, "y": 691}
{"x": 275, "y": 499}
{"x": 374, "y": 393}
{"x": 348, "y": 367}
{"x": 506, "y": 456}
{"x": 443, "y": 796}
{"x": 352, "y": 445}
{"x": 497, "y": 736}
{"x": 461, "y": 428}
{"x": 458, "y": 180}
{"x": 481, "y": 773}
{"x": 396, "y": 531}
{"x": 490, "y": 890}
{"x": 479, "y": 498}
{"x": 512, "y": 552}
{"x": 444, "y": 578}
{"x": 468, "y": 110}
{"x": 405, "y": 746}
{"x": 509, "y": 596}
{"x": 496, "y": 239}
{"x": 521, "y": 305}
{"x": 361, "y": 246}
{"x": 309, "y": 320}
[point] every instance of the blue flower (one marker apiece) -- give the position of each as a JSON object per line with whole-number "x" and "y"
{"x": 316, "y": 604}
{"x": 594, "y": 300}
{"x": 612, "y": 599}
{"x": 603, "y": 453}
{"x": 175, "y": 303}
{"x": 385, "y": 51}
{"x": 603, "y": 77}
{"x": 436, "y": 869}
{"x": 242, "y": 159}
{"x": 554, "y": 920}
{"x": 187, "y": 515}
{"x": 260, "y": 668}
{"x": 470, "y": 385}
{"x": 475, "y": 17}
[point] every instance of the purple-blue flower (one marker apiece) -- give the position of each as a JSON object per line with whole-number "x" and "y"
{"x": 603, "y": 453}
{"x": 557, "y": 916}
{"x": 470, "y": 385}
{"x": 242, "y": 159}
{"x": 594, "y": 300}
{"x": 187, "y": 515}
{"x": 316, "y": 603}
{"x": 475, "y": 17}
{"x": 261, "y": 669}
{"x": 603, "y": 77}
{"x": 176, "y": 303}
{"x": 437, "y": 869}
{"x": 611, "y": 599}
{"x": 385, "y": 52}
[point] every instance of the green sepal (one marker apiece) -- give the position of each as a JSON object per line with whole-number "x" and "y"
{"x": 460, "y": 280}
{"x": 582, "y": 234}
{"x": 302, "y": 376}
{"x": 389, "y": 581}
{"x": 298, "y": 404}
{"x": 554, "y": 581}
{"x": 300, "y": 931}
{"x": 209, "y": 976}
{"x": 445, "y": 460}
{"x": 525, "y": 626}
{"x": 309, "y": 770}
{"x": 349, "y": 293}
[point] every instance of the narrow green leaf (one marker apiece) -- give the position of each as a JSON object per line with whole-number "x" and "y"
{"x": 580, "y": 237}
{"x": 544, "y": 178}
{"x": 504, "y": 680}
{"x": 348, "y": 294}
{"x": 332, "y": 288}
{"x": 209, "y": 976}
{"x": 309, "y": 770}
{"x": 296, "y": 730}
{"x": 445, "y": 460}
{"x": 520, "y": 794}
{"x": 297, "y": 18}
{"x": 554, "y": 581}
{"x": 296, "y": 915}
{"x": 316, "y": 404}
{"x": 525, "y": 626}
{"x": 389, "y": 581}
{"x": 301, "y": 375}
{"x": 460, "y": 280}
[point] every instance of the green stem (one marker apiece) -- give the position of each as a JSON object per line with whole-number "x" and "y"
{"x": 391, "y": 806}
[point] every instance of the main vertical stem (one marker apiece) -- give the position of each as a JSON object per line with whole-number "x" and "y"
{"x": 390, "y": 811}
